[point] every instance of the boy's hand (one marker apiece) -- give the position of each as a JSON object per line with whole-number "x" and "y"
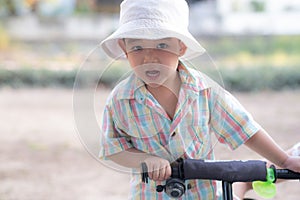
{"x": 159, "y": 169}
{"x": 292, "y": 163}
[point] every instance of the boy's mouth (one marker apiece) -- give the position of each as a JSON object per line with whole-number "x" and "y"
{"x": 152, "y": 74}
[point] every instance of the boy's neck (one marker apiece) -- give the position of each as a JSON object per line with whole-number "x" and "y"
{"x": 167, "y": 94}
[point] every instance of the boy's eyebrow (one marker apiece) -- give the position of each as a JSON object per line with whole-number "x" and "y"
{"x": 132, "y": 40}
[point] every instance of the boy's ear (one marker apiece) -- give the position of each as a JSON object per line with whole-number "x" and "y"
{"x": 121, "y": 43}
{"x": 182, "y": 48}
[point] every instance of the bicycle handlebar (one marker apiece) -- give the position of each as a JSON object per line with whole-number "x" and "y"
{"x": 229, "y": 171}
{"x": 226, "y": 171}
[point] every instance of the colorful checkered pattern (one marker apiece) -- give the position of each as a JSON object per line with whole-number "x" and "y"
{"x": 133, "y": 118}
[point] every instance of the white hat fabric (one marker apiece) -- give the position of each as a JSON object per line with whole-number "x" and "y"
{"x": 153, "y": 19}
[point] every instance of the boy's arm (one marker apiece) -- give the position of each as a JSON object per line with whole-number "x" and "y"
{"x": 159, "y": 169}
{"x": 264, "y": 145}
{"x": 131, "y": 158}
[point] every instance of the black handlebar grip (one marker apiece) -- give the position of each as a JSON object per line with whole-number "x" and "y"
{"x": 230, "y": 171}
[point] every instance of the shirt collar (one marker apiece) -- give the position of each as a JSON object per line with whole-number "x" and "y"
{"x": 192, "y": 79}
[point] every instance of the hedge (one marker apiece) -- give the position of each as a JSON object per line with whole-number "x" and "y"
{"x": 238, "y": 79}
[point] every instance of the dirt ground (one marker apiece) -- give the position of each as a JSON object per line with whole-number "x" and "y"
{"x": 42, "y": 158}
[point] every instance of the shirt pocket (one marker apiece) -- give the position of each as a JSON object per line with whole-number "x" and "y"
{"x": 144, "y": 126}
{"x": 198, "y": 139}
{"x": 203, "y": 143}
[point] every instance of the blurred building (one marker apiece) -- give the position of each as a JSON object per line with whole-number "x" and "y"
{"x": 95, "y": 19}
{"x": 245, "y": 17}
{"x": 234, "y": 16}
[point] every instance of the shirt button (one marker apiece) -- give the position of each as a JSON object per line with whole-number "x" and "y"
{"x": 140, "y": 99}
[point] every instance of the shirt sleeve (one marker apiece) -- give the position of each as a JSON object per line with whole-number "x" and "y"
{"x": 232, "y": 124}
{"x": 113, "y": 140}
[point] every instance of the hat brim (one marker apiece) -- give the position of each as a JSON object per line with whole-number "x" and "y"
{"x": 152, "y": 30}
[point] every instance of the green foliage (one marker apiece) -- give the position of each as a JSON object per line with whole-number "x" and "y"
{"x": 36, "y": 78}
{"x": 26, "y": 77}
{"x": 83, "y": 7}
{"x": 257, "y": 6}
{"x": 241, "y": 79}
{"x": 264, "y": 78}
{"x": 256, "y": 45}
{"x": 246, "y": 64}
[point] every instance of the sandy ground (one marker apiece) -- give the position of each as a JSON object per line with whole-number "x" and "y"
{"x": 41, "y": 156}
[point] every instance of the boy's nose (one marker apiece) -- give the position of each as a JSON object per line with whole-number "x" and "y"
{"x": 150, "y": 56}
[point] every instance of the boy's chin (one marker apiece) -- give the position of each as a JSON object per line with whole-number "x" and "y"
{"x": 153, "y": 85}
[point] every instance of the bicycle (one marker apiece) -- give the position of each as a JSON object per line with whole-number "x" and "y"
{"x": 228, "y": 172}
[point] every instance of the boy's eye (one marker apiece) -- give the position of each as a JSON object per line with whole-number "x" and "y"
{"x": 162, "y": 46}
{"x": 136, "y": 48}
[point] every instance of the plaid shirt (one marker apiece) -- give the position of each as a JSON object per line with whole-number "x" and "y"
{"x": 133, "y": 118}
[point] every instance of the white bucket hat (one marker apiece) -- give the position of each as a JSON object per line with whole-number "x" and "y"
{"x": 153, "y": 19}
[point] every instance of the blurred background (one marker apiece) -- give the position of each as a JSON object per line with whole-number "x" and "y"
{"x": 254, "y": 43}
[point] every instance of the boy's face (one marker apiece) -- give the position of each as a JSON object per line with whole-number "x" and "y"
{"x": 154, "y": 61}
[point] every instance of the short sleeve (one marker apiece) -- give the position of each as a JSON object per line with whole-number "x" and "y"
{"x": 229, "y": 120}
{"x": 113, "y": 140}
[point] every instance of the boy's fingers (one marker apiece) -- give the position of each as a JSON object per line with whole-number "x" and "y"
{"x": 168, "y": 172}
{"x": 150, "y": 175}
{"x": 162, "y": 174}
{"x": 149, "y": 170}
{"x": 153, "y": 172}
{"x": 155, "y": 175}
{"x": 165, "y": 173}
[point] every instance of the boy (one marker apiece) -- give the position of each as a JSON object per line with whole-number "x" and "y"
{"x": 166, "y": 110}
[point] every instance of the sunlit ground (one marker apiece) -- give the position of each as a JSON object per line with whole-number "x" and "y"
{"x": 42, "y": 157}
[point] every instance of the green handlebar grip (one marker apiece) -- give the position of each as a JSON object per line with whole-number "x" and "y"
{"x": 266, "y": 189}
